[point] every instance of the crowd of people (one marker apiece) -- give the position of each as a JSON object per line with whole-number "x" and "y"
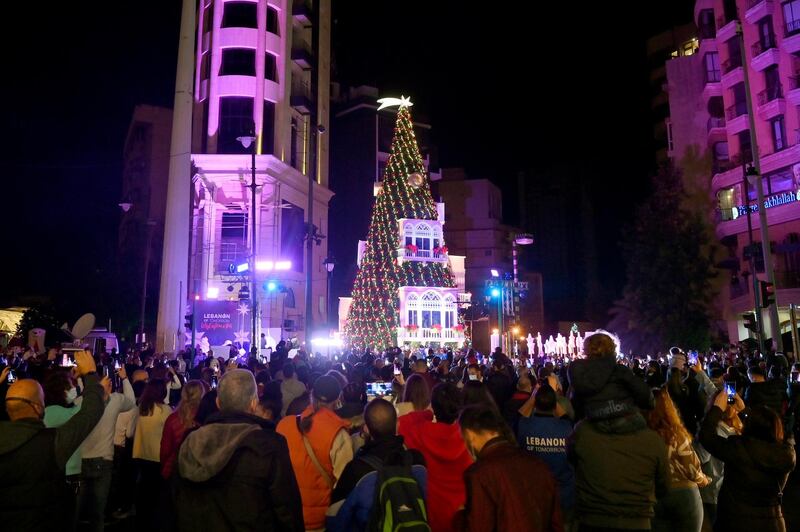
{"x": 451, "y": 441}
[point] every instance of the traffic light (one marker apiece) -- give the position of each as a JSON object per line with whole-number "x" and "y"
{"x": 269, "y": 286}
{"x": 244, "y": 293}
{"x": 750, "y": 322}
{"x": 767, "y": 293}
{"x": 189, "y": 324}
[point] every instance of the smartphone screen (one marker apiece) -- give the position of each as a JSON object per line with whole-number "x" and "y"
{"x": 116, "y": 364}
{"x": 396, "y": 370}
{"x": 379, "y": 389}
{"x": 730, "y": 389}
{"x": 12, "y": 377}
{"x": 213, "y": 382}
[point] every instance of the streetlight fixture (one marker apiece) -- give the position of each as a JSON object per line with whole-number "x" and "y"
{"x": 520, "y": 239}
{"x": 330, "y": 264}
{"x": 310, "y": 235}
{"x": 151, "y": 224}
{"x": 249, "y": 142}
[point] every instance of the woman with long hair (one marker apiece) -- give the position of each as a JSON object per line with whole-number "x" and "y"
{"x": 179, "y": 423}
{"x": 681, "y": 509}
{"x": 416, "y": 397}
{"x": 757, "y": 465}
{"x": 153, "y": 414}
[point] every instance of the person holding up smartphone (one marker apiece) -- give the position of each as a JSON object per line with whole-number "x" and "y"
{"x": 757, "y": 466}
{"x": 42, "y": 500}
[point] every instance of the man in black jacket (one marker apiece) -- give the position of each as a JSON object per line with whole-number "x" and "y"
{"x": 33, "y": 458}
{"x": 235, "y": 472}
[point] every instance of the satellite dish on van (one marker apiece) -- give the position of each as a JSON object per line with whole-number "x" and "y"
{"x": 82, "y": 327}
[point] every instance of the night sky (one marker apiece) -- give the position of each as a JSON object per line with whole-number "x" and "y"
{"x": 507, "y": 87}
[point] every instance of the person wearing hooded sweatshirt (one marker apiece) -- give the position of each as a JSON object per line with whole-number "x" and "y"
{"x": 600, "y": 388}
{"x": 445, "y": 453}
{"x": 757, "y": 465}
{"x": 236, "y": 468}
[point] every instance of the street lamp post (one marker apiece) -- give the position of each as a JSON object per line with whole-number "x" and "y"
{"x": 249, "y": 141}
{"x": 150, "y": 228}
{"x": 330, "y": 264}
{"x": 310, "y": 239}
{"x": 521, "y": 239}
{"x": 769, "y": 271}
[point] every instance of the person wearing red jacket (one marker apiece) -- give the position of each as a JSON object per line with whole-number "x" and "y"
{"x": 507, "y": 487}
{"x": 446, "y": 456}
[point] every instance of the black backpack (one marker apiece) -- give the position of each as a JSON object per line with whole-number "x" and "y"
{"x": 398, "y": 502}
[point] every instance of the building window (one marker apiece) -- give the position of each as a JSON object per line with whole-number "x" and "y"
{"x": 426, "y": 237}
{"x": 734, "y": 55}
{"x": 778, "y": 134}
{"x": 721, "y": 157}
{"x": 238, "y": 62}
{"x": 727, "y": 203}
{"x": 766, "y": 37}
{"x": 791, "y": 14}
{"x": 745, "y": 148}
{"x": 780, "y": 181}
{"x": 240, "y": 15}
{"x": 205, "y": 65}
{"x": 707, "y": 28}
{"x": 268, "y": 128}
{"x": 739, "y": 106}
{"x": 773, "y": 86}
{"x": 293, "y": 231}
{"x": 208, "y": 17}
{"x": 235, "y": 120}
{"x": 713, "y": 73}
{"x": 233, "y": 240}
{"x": 272, "y": 20}
{"x": 270, "y": 67}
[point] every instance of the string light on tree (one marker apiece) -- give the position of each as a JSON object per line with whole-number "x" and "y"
{"x": 373, "y": 317}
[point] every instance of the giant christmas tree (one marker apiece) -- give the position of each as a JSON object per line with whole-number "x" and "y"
{"x": 404, "y": 249}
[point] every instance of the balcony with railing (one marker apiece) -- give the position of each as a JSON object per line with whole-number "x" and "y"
{"x": 431, "y": 334}
{"x": 731, "y": 64}
{"x": 792, "y": 27}
{"x": 414, "y": 253}
{"x": 769, "y": 94}
{"x": 707, "y": 31}
{"x": 736, "y": 110}
{"x": 757, "y": 9}
{"x": 300, "y": 97}
{"x": 302, "y": 54}
{"x": 761, "y": 46}
{"x": 715, "y": 122}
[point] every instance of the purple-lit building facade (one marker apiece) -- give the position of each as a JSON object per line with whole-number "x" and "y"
{"x": 262, "y": 64}
{"x": 710, "y": 141}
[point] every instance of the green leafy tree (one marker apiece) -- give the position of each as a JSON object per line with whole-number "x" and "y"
{"x": 42, "y": 318}
{"x": 669, "y": 290}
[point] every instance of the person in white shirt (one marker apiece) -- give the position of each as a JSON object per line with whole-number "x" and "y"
{"x": 98, "y": 456}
